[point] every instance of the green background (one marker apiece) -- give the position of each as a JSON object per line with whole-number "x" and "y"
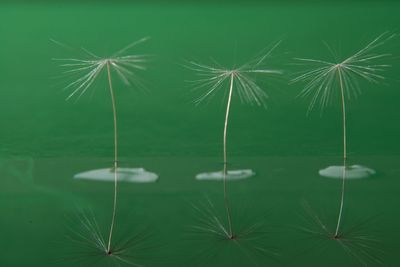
{"x": 45, "y": 140}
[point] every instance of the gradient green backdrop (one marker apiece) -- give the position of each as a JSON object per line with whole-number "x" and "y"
{"x": 45, "y": 140}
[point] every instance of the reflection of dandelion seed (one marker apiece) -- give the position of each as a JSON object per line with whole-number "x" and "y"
{"x": 214, "y": 78}
{"x": 356, "y": 241}
{"x": 325, "y": 78}
{"x": 87, "y": 72}
{"x": 213, "y": 232}
{"x": 94, "y": 250}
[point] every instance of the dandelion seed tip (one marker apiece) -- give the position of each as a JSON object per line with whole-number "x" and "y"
{"x": 336, "y": 237}
{"x": 56, "y": 42}
{"x": 232, "y": 237}
{"x": 146, "y": 38}
{"x": 232, "y": 72}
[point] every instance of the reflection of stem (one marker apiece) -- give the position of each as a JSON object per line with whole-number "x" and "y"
{"x": 115, "y": 157}
{"x": 344, "y": 153}
{"x": 225, "y": 172}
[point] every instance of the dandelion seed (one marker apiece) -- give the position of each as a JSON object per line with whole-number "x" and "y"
{"x": 85, "y": 72}
{"x": 240, "y": 81}
{"x": 324, "y": 78}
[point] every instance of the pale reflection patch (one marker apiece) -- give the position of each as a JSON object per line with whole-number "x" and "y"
{"x": 130, "y": 175}
{"x": 231, "y": 175}
{"x": 351, "y": 172}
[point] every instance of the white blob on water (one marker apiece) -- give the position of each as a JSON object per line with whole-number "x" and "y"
{"x": 231, "y": 175}
{"x": 130, "y": 175}
{"x": 352, "y": 172}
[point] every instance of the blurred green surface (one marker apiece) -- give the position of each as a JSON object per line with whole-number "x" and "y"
{"x": 46, "y": 140}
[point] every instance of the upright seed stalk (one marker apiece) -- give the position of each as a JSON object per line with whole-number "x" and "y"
{"x": 115, "y": 157}
{"x": 225, "y": 171}
{"x": 344, "y": 153}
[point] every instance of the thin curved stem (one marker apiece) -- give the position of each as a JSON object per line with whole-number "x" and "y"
{"x": 225, "y": 172}
{"x": 344, "y": 154}
{"x": 115, "y": 157}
